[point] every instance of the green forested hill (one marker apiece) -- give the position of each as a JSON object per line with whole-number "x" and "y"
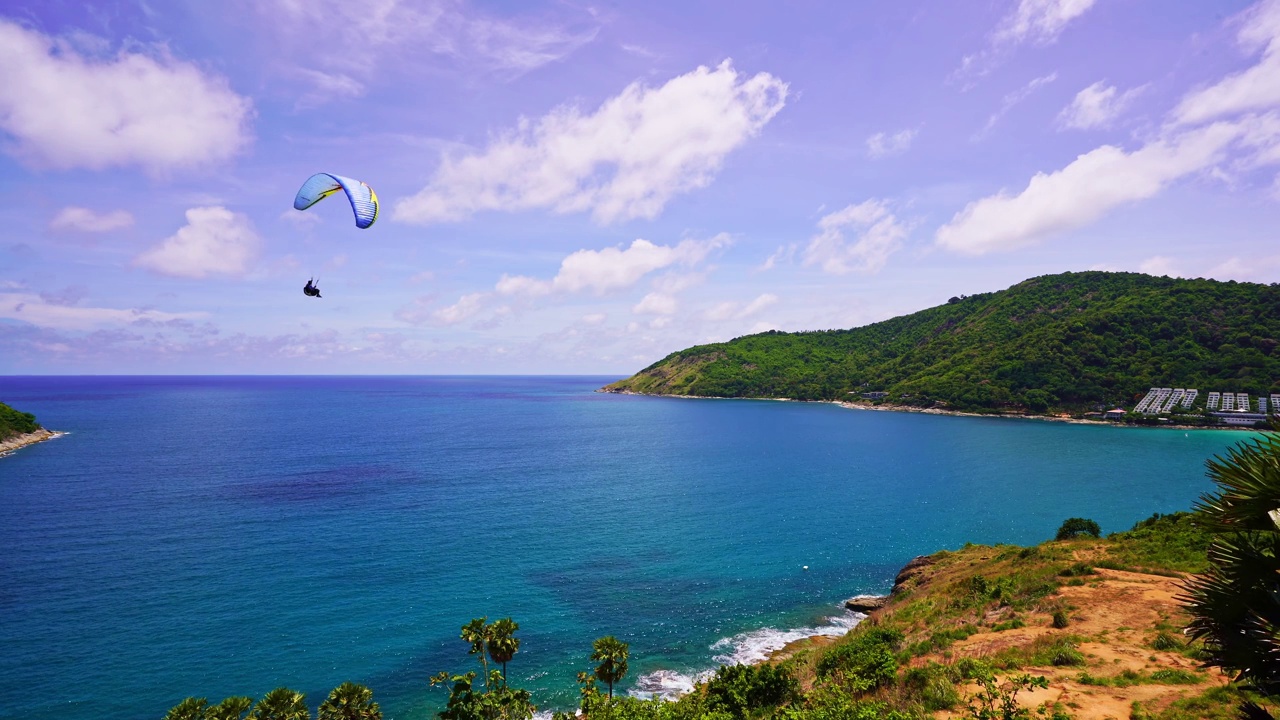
{"x": 13, "y": 422}
{"x": 1057, "y": 341}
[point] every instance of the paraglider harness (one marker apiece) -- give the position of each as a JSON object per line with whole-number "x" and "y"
{"x": 311, "y": 289}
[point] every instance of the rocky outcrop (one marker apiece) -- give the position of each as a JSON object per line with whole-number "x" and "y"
{"x": 909, "y": 572}
{"x": 8, "y": 445}
{"x": 866, "y": 603}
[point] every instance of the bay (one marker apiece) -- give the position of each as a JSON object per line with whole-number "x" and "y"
{"x": 213, "y": 536}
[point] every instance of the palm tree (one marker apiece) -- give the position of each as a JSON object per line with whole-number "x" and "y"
{"x": 189, "y": 709}
{"x": 350, "y": 701}
{"x": 232, "y": 708}
{"x": 477, "y": 633}
{"x": 502, "y": 643}
{"x": 281, "y": 704}
{"x": 612, "y": 655}
{"x": 1234, "y": 606}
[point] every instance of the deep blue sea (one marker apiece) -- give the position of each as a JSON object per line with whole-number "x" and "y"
{"x": 213, "y": 536}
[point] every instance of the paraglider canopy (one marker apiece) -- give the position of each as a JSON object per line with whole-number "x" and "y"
{"x": 364, "y": 203}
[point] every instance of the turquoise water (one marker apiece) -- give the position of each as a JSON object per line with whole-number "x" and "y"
{"x": 218, "y": 535}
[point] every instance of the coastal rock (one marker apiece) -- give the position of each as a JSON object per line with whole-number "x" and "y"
{"x": 17, "y": 441}
{"x": 866, "y": 603}
{"x": 910, "y": 571}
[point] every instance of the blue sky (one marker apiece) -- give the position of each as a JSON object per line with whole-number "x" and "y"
{"x": 583, "y": 188}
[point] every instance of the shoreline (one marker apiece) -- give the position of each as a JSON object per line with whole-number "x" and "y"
{"x": 848, "y": 405}
{"x": 17, "y": 442}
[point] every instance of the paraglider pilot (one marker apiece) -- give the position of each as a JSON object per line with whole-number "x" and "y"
{"x": 311, "y": 289}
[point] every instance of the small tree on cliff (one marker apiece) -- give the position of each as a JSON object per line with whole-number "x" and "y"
{"x": 612, "y": 655}
{"x": 1075, "y": 527}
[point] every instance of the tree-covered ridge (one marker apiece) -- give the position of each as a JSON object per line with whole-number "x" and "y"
{"x": 13, "y": 422}
{"x": 1058, "y": 341}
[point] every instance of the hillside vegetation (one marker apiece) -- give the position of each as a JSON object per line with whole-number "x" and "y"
{"x": 14, "y": 422}
{"x": 1065, "y": 341}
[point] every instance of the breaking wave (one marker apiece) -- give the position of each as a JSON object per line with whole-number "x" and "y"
{"x": 745, "y": 648}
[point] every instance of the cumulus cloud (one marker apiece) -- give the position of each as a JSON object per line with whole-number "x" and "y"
{"x": 86, "y": 220}
{"x": 1252, "y": 89}
{"x": 1040, "y": 21}
{"x": 64, "y": 110}
{"x": 215, "y": 241}
{"x": 614, "y": 268}
{"x": 625, "y": 160}
{"x": 877, "y": 235}
{"x": 656, "y": 303}
{"x": 882, "y": 144}
{"x": 1083, "y": 191}
{"x": 1159, "y": 265}
{"x": 1096, "y": 106}
{"x": 466, "y": 308}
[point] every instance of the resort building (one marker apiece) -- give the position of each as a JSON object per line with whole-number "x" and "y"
{"x": 1242, "y": 401}
{"x": 1228, "y": 402}
{"x": 1212, "y": 402}
{"x": 1262, "y": 405}
{"x": 1165, "y": 400}
{"x": 1238, "y": 418}
{"x": 1275, "y": 403}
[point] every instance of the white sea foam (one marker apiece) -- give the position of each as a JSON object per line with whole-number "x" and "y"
{"x": 741, "y": 649}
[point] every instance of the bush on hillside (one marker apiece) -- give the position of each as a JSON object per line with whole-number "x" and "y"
{"x": 1076, "y": 527}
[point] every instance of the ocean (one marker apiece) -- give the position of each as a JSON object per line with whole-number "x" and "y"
{"x": 216, "y": 536}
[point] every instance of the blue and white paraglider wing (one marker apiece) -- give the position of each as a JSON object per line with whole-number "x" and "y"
{"x": 321, "y": 185}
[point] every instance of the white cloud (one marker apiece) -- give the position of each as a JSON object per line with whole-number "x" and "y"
{"x": 215, "y": 241}
{"x": 41, "y": 312}
{"x": 1083, "y": 191}
{"x": 1016, "y": 97}
{"x": 656, "y": 303}
{"x": 784, "y": 253}
{"x": 1096, "y": 106}
{"x": 760, "y": 303}
{"x": 1035, "y": 21}
{"x": 882, "y": 144}
{"x": 614, "y": 268}
{"x": 1040, "y": 21}
{"x": 730, "y": 310}
{"x": 878, "y": 235}
{"x": 466, "y": 307}
{"x": 349, "y": 45}
{"x": 1159, "y": 265}
{"x": 594, "y": 318}
{"x": 64, "y": 110}
{"x": 86, "y": 220}
{"x": 625, "y": 160}
{"x": 1252, "y": 89}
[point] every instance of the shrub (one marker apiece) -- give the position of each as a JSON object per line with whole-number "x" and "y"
{"x": 1076, "y": 527}
{"x": 739, "y": 689}
{"x": 933, "y": 686}
{"x": 1166, "y": 641}
{"x": 865, "y": 661}
{"x": 1060, "y": 619}
{"x": 1077, "y": 570}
